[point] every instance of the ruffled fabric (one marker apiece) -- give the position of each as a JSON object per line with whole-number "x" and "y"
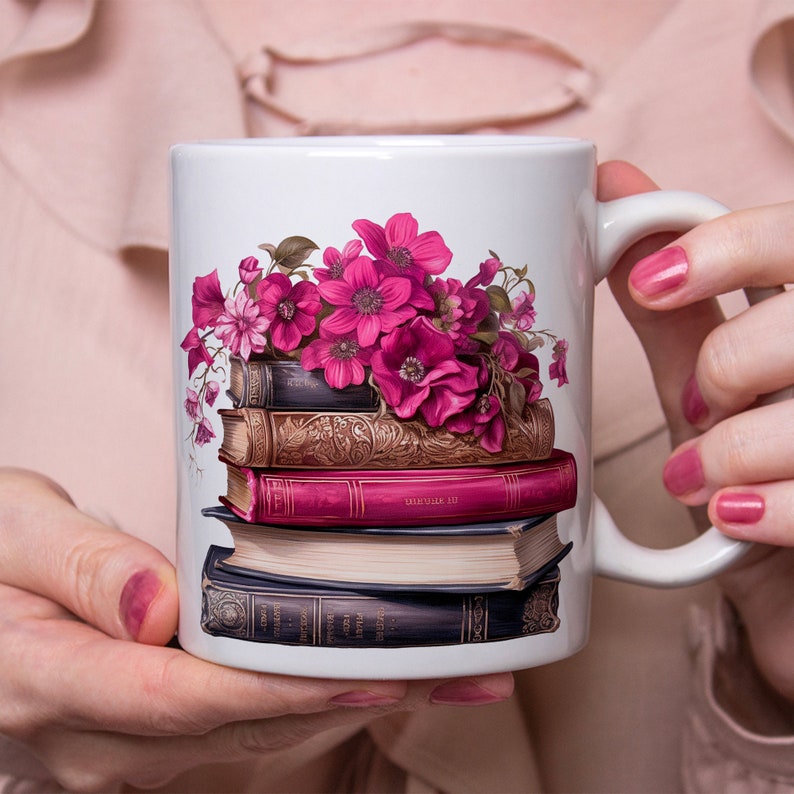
{"x": 91, "y": 98}
{"x": 720, "y": 753}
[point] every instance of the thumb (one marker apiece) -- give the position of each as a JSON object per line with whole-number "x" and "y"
{"x": 111, "y": 580}
{"x": 671, "y": 339}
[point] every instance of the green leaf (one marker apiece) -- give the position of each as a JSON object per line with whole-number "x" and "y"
{"x": 292, "y": 252}
{"x": 499, "y": 299}
{"x": 486, "y": 337}
{"x": 270, "y": 248}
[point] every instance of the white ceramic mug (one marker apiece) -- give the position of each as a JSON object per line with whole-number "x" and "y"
{"x": 512, "y": 218}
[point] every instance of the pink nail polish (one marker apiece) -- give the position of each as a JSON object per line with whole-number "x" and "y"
{"x": 660, "y": 272}
{"x": 692, "y": 402}
{"x": 462, "y": 693}
{"x": 683, "y": 473}
{"x": 136, "y": 598}
{"x": 740, "y": 508}
{"x": 361, "y": 698}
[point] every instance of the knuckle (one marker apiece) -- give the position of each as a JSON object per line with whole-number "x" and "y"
{"x": 720, "y": 366}
{"x": 270, "y": 736}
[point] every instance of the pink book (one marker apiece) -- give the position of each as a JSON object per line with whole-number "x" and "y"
{"x": 404, "y": 497}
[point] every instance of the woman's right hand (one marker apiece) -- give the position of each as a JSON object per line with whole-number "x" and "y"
{"x": 90, "y": 688}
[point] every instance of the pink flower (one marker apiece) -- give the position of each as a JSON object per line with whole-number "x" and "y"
{"x": 211, "y": 392}
{"x": 523, "y": 314}
{"x": 416, "y": 370}
{"x": 249, "y": 269}
{"x": 488, "y": 269}
{"x": 290, "y": 309}
{"x": 524, "y": 366}
{"x": 336, "y": 261}
{"x": 208, "y": 300}
{"x": 366, "y": 301}
{"x": 458, "y": 311}
{"x": 196, "y": 350}
{"x": 241, "y": 327}
{"x": 342, "y": 358}
{"x": 484, "y": 416}
{"x": 401, "y": 246}
{"x": 557, "y": 368}
{"x": 204, "y": 432}
{"x": 192, "y": 408}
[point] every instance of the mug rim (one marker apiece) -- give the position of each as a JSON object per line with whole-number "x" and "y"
{"x": 396, "y": 142}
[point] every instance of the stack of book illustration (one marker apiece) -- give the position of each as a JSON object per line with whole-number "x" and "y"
{"x": 354, "y": 528}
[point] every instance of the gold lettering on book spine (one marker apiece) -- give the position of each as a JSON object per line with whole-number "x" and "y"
{"x": 344, "y": 440}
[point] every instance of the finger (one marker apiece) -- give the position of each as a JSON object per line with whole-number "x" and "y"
{"x": 748, "y": 448}
{"x": 91, "y": 680}
{"x": 749, "y": 356}
{"x": 671, "y": 340}
{"x": 761, "y": 513}
{"x": 110, "y": 579}
{"x": 748, "y": 248}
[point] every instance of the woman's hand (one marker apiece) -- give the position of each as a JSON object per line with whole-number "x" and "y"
{"x": 734, "y": 445}
{"x": 88, "y": 686}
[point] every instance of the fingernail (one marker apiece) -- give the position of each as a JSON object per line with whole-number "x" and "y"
{"x": 360, "y": 698}
{"x": 462, "y": 693}
{"x": 137, "y": 596}
{"x": 740, "y": 508}
{"x": 660, "y": 272}
{"x": 692, "y": 402}
{"x": 683, "y": 473}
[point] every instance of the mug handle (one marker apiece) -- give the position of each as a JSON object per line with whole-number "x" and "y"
{"x": 621, "y": 223}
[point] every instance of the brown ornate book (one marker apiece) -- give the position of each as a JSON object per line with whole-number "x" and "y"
{"x": 251, "y": 608}
{"x": 507, "y": 555}
{"x": 412, "y": 497}
{"x": 298, "y": 439}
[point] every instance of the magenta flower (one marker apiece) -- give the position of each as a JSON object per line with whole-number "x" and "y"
{"x": 458, "y": 311}
{"x": 204, "y": 432}
{"x": 523, "y": 366}
{"x": 241, "y": 327}
{"x": 208, "y": 300}
{"x": 484, "y": 416}
{"x": 487, "y": 272}
{"x": 192, "y": 408}
{"x": 342, "y": 358}
{"x": 211, "y": 392}
{"x": 196, "y": 350}
{"x": 367, "y": 301}
{"x": 249, "y": 269}
{"x": 416, "y": 370}
{"x": 557, "y": 368}
{"x": 290, "y": 309}
{"x": 336, "y": 261}
{"x": 402, "y": 248}
{"x": 523, "y": 314}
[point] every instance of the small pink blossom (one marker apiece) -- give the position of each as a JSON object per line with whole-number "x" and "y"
{"x": 208, "y": 300}
{"x": 336, "y": 261}
{"x": 402, "y": 248}
{"x": 487, "y": 272}
{"x": 366, "y": 301}
{"x": 211, "y": 392}
{"x": 241, "y": 327}
{"x": 204, "y": 432}
{"x": 523, "y": 314}
{"x": 523, "y": 366}
{"x": 341, "y": 357}
{"x": 458, "y": 311}
{"x": 416, "y": 371}
{"x": 249, "y": 269}
{"x": 192, "y": 408}
{"x": 196, "y": 350}
{"x": 557, "y": 368}
{"x": 289, "y": 308}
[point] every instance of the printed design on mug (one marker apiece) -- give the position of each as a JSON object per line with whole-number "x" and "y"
{"x": 391, "y": 468}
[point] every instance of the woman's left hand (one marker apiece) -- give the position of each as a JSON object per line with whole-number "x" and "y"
{"x": 722, "y": 384}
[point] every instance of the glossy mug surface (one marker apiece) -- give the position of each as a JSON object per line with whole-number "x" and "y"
{"x": 440, "y": 290}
